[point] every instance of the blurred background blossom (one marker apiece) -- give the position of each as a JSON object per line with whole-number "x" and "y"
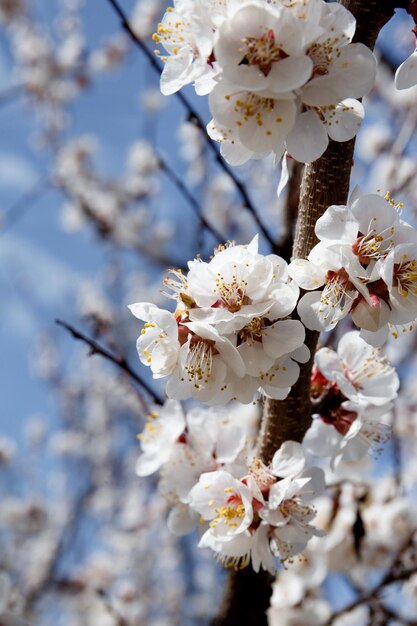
{"x": 104, "y": 185}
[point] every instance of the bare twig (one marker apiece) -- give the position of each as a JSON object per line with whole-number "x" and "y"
{"x": 219, "y": 237}
{"x": 24, "y": 203}
{"x": 121, "y": 362}
{"x": 390, "y": 577}
{"x": 63, "y": 541}
{"x": 196, "y": 118}
{"x": 11, "y": 94}
{"x": 393, "y": 615}
{"x": 69, "y": 586}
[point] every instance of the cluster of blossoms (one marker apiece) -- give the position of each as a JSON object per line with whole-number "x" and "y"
{"x": 352, "y": 390}
{"x": 300, "y": 593}
{"x": 247, "y": 511}
{"x": 281, "y": 75}
{"x": 365, "y": 263}
{"x": 229, "y": 336}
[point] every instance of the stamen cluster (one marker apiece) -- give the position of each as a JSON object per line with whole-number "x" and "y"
{"x": 229, "y": 336}
{"x": 365, "y": 264}
{"x": 351, "y": 391}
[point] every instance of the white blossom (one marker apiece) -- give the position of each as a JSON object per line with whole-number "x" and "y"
{"x": 360, "y": 371}
{"x": 157, "y": 345}
{"x": 161, "y": 432}
{"x": 364, "y": 260}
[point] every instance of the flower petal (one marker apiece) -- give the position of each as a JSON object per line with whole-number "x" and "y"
{"x": 308, "y": 139}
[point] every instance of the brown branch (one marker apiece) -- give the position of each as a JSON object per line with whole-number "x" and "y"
{"x": 121, "y": 362}
{"x": 325, "y": 182}
{"x": 393, "y": 615}
{"x": 76, "y": 586}
{"x": 196, "y": 118}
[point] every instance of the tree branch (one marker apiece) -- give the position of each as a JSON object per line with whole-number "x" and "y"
{"x": 25, "y": 202}
{"x": 196, "y": 118}
{"x": 121, "y": 362}
{"x": 325, "y": 182}
{"x": 219, "y": 237}
{"x": 11, "y": 94}
{"x": 64, "y": 539}
{"x": 390, "y": 577}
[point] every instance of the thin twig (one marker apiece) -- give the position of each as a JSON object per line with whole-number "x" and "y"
{"x": 389, "y": 578}
{"x": 393, "y": 615}
{"x": 121, "y": 362}
{"x": 194, "y": 116}
{"x": 63, "y": 542}
{"x": 11, "y": 94}
{"x": 190, "y": 198}
{"x": 24, "y": 203}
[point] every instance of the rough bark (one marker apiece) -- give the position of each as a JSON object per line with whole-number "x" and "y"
{"x": 324, "y": 182}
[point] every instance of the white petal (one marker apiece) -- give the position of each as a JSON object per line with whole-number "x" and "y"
{"x": 290, "y": 73}
{"x": 283, "y": 337}
{"x": 176, "y": 73}
{"x": 371, "y": 316}
{"x": 345, "y": 120}
{"x": 289, "y": 460}
{"x": 268, "y": 126}
{"x": 308, "y": 139}
{"x": 301, "y": 354}
{"x": 308, "y": 310}
{"x": 148, "y": 312}
{"x": 245, "y": 389}
{"x": 285, "y": 298}
{"x": 306, "y": 274}
{"x": 322, "y": 439}
{"x": 277, "y": 382}
{"x": 147, "y": 464}
{"x": 406, "y": 74}
{"x": 316, "y": 484}
{"x": 351, "y": 75}
{"x": 329, "y": 363}
{"x": 236, "y": 154}
{"x": 230, "y": 443}
{"x": 261, "y": 553}
{"x": 255, "y": 358}
{"x": 337, "y": 223}
{"x": 376, "y": 339}
{"x": 285, "y": 175}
